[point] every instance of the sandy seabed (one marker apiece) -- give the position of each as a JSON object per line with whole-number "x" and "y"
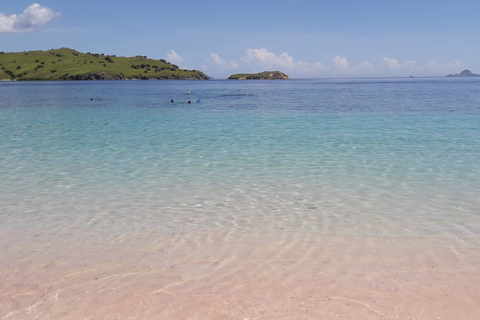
{"x": 233, "y": 274}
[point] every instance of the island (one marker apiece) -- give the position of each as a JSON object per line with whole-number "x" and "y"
{"x": 265, "y": 75}
{"x": 464, "y": 73}
{"x": 69, "y": 64}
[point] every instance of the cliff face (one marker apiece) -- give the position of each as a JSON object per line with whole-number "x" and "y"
{"x": 266, "y": 75}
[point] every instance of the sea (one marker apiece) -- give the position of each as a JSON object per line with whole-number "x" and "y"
{"x": 357, "y": 156}
{"x": 377, "y": 157}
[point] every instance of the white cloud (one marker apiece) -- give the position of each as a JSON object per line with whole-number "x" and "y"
{"x": 393, "y": 64}
{"x": 319, "y": 66}
{"x": 262, "y": 55}
{"x": 340, "y": 63}
{"x": 32, "y": 18}
{"x": 216, "y": 59}
{"x": 365, "y": 65}
{"x": 174, "y": 57}
{"x": 218, "y": 62}
{"x": 434, "y": 67}
{"x": 268, "y": 59}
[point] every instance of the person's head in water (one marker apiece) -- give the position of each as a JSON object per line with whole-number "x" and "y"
{"x": 189, "y": 101}
{"x": 171, "y": 100}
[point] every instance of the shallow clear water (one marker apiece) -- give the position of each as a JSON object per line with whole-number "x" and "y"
{"x": 361, "y": 157}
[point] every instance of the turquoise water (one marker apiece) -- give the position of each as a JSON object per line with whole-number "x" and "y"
{"x": 362, "y": 157}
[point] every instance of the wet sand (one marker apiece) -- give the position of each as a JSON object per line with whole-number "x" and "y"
{"x": 232, "y": 274}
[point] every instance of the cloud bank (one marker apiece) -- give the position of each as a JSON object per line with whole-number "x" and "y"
{"x": 32, "y": 18}
{"x": 257, "y": 60}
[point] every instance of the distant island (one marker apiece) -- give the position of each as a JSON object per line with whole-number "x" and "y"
{"x": 464, "y": 73}
{"x": 69, "y": 64}
{"x": 265, "y": 75}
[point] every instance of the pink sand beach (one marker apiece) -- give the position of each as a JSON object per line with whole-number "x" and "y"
{"x": 218, "y": 274}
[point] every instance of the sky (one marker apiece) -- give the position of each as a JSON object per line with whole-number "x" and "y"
{"x": 302, "y": 38}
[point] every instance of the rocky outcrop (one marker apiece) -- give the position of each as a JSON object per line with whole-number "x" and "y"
{"x": 93, "y": 76}
{"x": 464, "y": 73}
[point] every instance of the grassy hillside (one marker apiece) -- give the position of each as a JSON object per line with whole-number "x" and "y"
{"x": 265, "y": 75}
{"x": 69, "y": 64}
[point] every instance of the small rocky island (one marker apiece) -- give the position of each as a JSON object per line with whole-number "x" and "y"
{"x": 464, "y": 73}
{"x": 265, "y": 75}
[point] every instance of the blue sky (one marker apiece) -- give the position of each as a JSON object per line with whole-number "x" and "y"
{"x": 303, "y": 38}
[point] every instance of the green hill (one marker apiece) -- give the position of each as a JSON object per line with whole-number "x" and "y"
{"x": 69, "y": 64}
{"x": 265, "y": 75}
